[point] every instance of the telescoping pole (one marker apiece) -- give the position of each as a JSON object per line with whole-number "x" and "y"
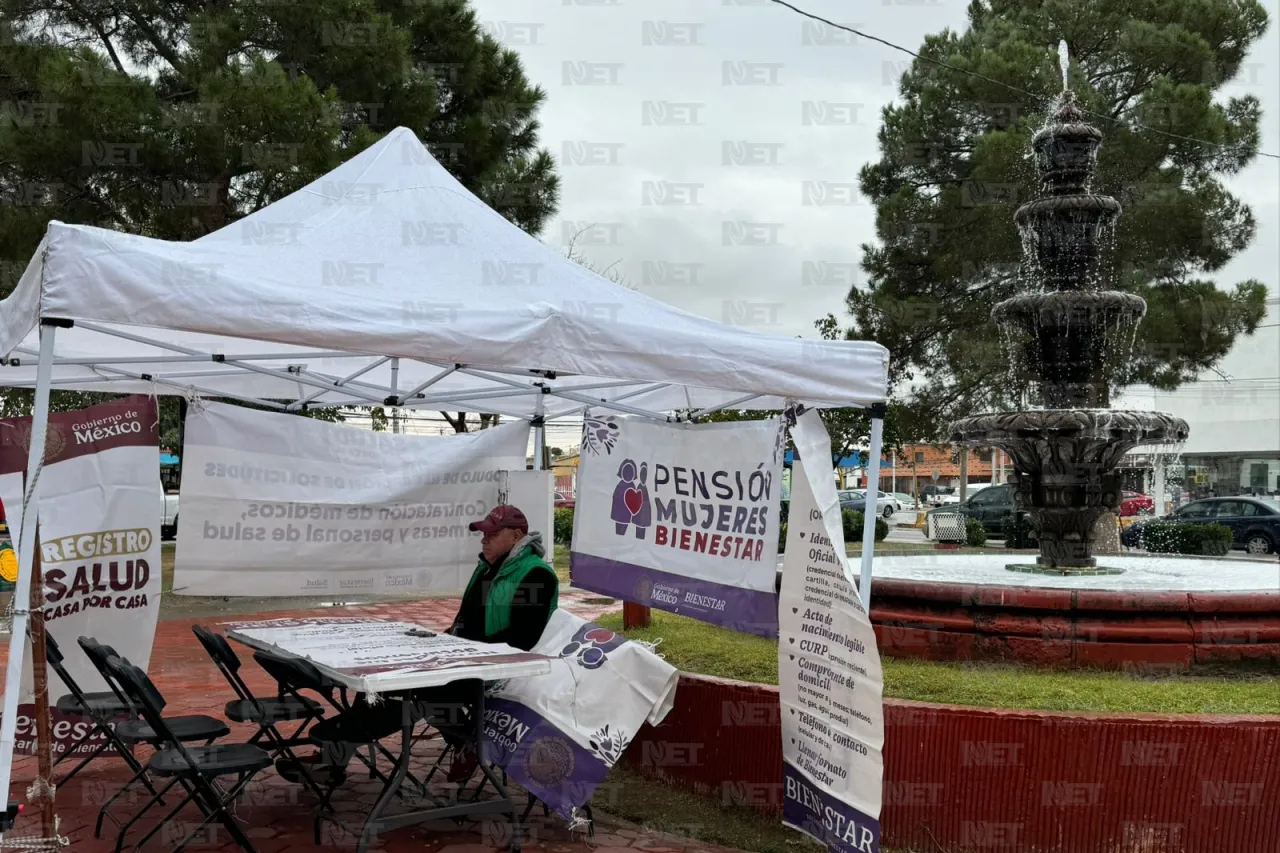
{"x": 871, "y": 510}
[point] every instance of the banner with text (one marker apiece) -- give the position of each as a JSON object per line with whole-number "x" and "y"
{"x": 557, "y": 735}
{"x": 682, "y": 517}
{"x": 276, "y": 504}
{"x": 99, "y": 526}
{"x": 830, "y": 681}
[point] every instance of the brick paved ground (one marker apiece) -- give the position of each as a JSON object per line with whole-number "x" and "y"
{"x": 276, "y": 813}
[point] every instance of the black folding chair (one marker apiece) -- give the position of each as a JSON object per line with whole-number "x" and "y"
{"x": 266, "y": 712}
{"x": 197, "y": 768}
{"x": 303, "y": 675}
{"x": 190, "y": 728}
{"x": 104, "y": 708}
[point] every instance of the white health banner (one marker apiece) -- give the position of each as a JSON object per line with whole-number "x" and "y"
{"x": 682, "y": 517}
{"x": 830, "y": 680}
{"x": 99, "y": 526}
{"x": 282, "y": 505}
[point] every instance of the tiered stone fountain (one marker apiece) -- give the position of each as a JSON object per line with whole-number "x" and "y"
{"x": 1070, "y": 335}
{"x": 1146, "y": 614}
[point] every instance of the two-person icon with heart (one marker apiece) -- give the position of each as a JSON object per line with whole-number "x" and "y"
{"x": 631, "y": 499}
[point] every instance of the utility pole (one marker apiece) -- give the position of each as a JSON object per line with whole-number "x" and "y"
{"x": 964, "y": 472}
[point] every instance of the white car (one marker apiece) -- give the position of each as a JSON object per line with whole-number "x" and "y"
{"x": 886, "y": 504}
{"x": 169, "y": 517}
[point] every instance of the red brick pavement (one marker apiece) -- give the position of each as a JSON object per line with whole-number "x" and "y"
{"x": 277, "y": 814}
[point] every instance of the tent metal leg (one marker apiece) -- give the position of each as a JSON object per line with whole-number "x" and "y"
{"x": 26, "y": 553}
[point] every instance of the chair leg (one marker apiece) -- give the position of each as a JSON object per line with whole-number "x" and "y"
{"x": 217, "y": 803}
{"x": 124, "y": 829}
{"x": 102, "y": 812}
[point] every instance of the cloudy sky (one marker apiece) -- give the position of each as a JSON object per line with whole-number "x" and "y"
{"x": 661, "y": 144}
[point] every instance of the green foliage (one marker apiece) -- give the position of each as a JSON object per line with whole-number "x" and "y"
{"x": 241, "y": 104}
{"x": 1019, "y": 532}
{"x": 953, "y": 169}
{"x": 782, "y": 537}
{"x": 1163, "y": 537}
{"x": 975, "y": 535}
{"x": 852, "y": 521}
{"x": 564, "y": 526}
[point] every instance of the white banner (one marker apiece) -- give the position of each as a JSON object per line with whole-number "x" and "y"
{"x": 558, "y": 734}
{"x": 829, "y": 676}
{"x": 99, "y": 529}
{"x": 682, "y": 517}
{"x": 534, "y": 492}
{"x": 276, "y": 504}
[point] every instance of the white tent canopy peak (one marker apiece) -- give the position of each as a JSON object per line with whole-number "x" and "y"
{"x": 387, "y": 281}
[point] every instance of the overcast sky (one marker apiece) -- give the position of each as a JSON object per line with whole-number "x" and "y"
{"x": 660, "y": 143}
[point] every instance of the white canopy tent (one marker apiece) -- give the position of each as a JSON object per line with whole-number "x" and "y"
{"x": 385, "y": 283}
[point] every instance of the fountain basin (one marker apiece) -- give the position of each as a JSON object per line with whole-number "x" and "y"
{"x": 1160, "y": 615}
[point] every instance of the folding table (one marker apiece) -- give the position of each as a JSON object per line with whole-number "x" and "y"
{"x": 380, "y": 659}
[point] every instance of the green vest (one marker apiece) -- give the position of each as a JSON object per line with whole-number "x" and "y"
{"x": 502, "y": 589}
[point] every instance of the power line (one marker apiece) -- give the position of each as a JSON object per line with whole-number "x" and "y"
{"x": 983, "y": 77}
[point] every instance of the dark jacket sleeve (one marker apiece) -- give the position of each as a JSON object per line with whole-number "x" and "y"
{"x": 530, "y": 610}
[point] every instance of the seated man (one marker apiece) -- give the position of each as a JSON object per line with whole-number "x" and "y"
{"x": 509, "y": 599}
{"x": 513, "y": 591}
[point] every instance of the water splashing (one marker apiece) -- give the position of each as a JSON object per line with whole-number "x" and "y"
{"x": 1063, "y": 62}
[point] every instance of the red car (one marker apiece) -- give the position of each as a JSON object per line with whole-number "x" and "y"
{"x": 564, "y": 500}
{"x": 1136, "y": 504}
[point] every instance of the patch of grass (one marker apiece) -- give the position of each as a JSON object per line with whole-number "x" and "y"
{"x": 561, "y": 563}
{"x": 166, "y": 567}
{"x": 698, "y": 647}
{"x": 655, "y": 806}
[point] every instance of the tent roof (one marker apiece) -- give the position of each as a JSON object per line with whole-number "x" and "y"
{"x": 388, "y": 274}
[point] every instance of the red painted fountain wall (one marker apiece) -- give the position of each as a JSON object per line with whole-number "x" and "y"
{"x": 1143, "y": 632}
{"x": 971, "y": 779}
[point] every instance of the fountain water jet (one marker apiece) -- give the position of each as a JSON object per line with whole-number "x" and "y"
{"x": 1069, "y": 336}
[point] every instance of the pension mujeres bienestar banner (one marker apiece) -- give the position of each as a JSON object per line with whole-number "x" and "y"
{"x": 830, "y": 681}
{"x": 275, "y": 504}
{"x": 99, "y": 514}
{"x": 682, "y": 517}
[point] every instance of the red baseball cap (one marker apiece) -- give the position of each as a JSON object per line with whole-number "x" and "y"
{"x": 503, "y": 517}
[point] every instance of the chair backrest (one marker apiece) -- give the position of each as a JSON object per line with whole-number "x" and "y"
{"x": 53, "y": 654}
{"x": 217, "y": 647}
{"x": 295, "y": 672}
{"x": 51, "y": 651}
{"x": 98, "y": 655}
{"x": 227, "y": 662}
{"x": 146, "y": 698}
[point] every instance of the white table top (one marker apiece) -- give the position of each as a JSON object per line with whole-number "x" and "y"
{"x": 374, "y": 656}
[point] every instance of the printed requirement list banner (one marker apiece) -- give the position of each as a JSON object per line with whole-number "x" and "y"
{"x": 276, "y": 504}
{"x": 99, "y": 514}
{"x": 681, "y": 517}
{"x": 830, "y": 681}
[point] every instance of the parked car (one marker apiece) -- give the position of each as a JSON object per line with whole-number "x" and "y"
{"x": 853, "y": 504}
{"x": 906, "y": 500}
{"x": 169, "y": 516}
{"x": 886, "y": 504}
{"x": 1255, "y": 522}
{"x": 939, "y": 495}
{"x": 564, "y": 501}
{"x": 990, "y": 505}
{"x": 1135, "y": 503}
